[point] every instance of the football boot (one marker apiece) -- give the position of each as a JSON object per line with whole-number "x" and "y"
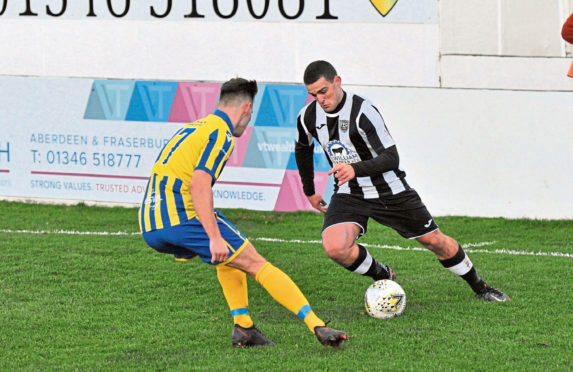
{"x": 491, "y": 294}
{"x": 328, "y": 336}
{"x": 384, "y": 272}
{"x": 247, "y": 337}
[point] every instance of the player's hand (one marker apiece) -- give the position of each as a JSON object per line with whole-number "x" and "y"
{"x": 343, "y": 173}
{"x": 317, "y": 202}
{"x": 219, "y": 250}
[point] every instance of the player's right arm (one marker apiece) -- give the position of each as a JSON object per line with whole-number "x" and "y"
{"x": 317, "y": 202}
{"x": 202, "y": 194}
{"x": 304, "y": 156}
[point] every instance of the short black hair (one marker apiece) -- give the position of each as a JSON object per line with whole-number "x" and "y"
{"x": 238, "y": 88}
{"x": 317, "y": 69}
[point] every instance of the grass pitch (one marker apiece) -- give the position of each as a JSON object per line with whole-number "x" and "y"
{"x": 80, "y": 290}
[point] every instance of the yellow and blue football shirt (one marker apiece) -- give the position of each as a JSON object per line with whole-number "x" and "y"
{"x": 205, "y": 144}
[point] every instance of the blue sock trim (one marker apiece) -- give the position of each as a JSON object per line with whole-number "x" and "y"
{"x": 241, "y": 311}
{"x": 303, "y": 312}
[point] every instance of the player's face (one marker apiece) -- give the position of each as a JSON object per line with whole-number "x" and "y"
{"x": 327, "y": 94}
{"x": 244, "y": 120}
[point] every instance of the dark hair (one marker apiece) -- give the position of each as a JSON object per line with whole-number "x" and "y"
{"x": 238, "y": 88}
{"x": 318, "y": 69}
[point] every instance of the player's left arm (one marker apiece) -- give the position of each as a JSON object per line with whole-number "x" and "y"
{"x": 343, "y": 173}
{"x": 202, "y": 195}
{"x": 374, "y": 132}
{"x": 304, "y": 157}
{"x": 215, "y": 153}
{"x": 386, "y": 160}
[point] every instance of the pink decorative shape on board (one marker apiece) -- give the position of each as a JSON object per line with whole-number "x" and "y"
{"x": 193, "y": 101}
{"x": 292, "y": 198}
{"x": 241, "y": 146}
{"x": 309, "y": 99}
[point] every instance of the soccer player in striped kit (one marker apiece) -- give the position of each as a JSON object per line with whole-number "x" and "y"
{"x": 369, "y": 183}
{"x": 177, "y": 217}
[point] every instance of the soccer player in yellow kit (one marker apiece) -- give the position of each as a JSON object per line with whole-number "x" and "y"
{"x": 177, "y": 217}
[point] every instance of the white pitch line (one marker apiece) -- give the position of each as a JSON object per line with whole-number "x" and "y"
{"x": 467, "y": 247}
{"x": 395, "y": 247}
{"x": 67, "y": 232}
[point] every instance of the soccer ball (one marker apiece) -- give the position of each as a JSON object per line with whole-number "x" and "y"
{"x": 385, "y": 299}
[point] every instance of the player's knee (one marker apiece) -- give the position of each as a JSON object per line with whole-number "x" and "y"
{"x": 438, "y": 243}
{"x": 249, "y": 260}
{"x": 335, "y": 249}
{"x": 337, "y": 241}
{"x": 432, "y": 241}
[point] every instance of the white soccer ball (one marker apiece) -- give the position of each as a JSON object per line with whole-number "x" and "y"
{"x": 385, "y": 299}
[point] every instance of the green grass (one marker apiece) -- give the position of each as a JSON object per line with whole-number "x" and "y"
{"x": 110, "y": 303}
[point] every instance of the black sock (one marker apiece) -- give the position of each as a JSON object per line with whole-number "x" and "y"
{"x": 366, "y": 265}
{"x": 461, "y": 265}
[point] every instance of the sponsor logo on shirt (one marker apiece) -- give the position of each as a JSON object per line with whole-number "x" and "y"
{"x": 339, "y": 153}
{"x": 153, "y": 200}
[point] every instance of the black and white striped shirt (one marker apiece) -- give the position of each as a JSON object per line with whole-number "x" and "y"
{"x": 354, "y": 133}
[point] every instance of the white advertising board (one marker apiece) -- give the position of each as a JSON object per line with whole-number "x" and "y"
{"x": 468, "y": 152}
{"x": 96, "y": 140}
{"x": 484, "y": 152}
{"x": 392, "y": 51}
{"x": 400, "y": 11}
{"x": 54, "y": 153}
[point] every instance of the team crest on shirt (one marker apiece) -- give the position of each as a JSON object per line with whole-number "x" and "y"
{"x": 344, "y": 125}
{"x": 339, "y": 153}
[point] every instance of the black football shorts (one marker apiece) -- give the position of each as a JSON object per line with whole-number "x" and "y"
{"x": 403, "y": 212}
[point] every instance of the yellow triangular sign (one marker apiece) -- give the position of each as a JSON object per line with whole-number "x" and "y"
{"x": 383, "y": 6}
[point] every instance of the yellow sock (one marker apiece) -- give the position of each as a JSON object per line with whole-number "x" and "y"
{"x": 281, "y": 287}
{"x": 234, "y": 284}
